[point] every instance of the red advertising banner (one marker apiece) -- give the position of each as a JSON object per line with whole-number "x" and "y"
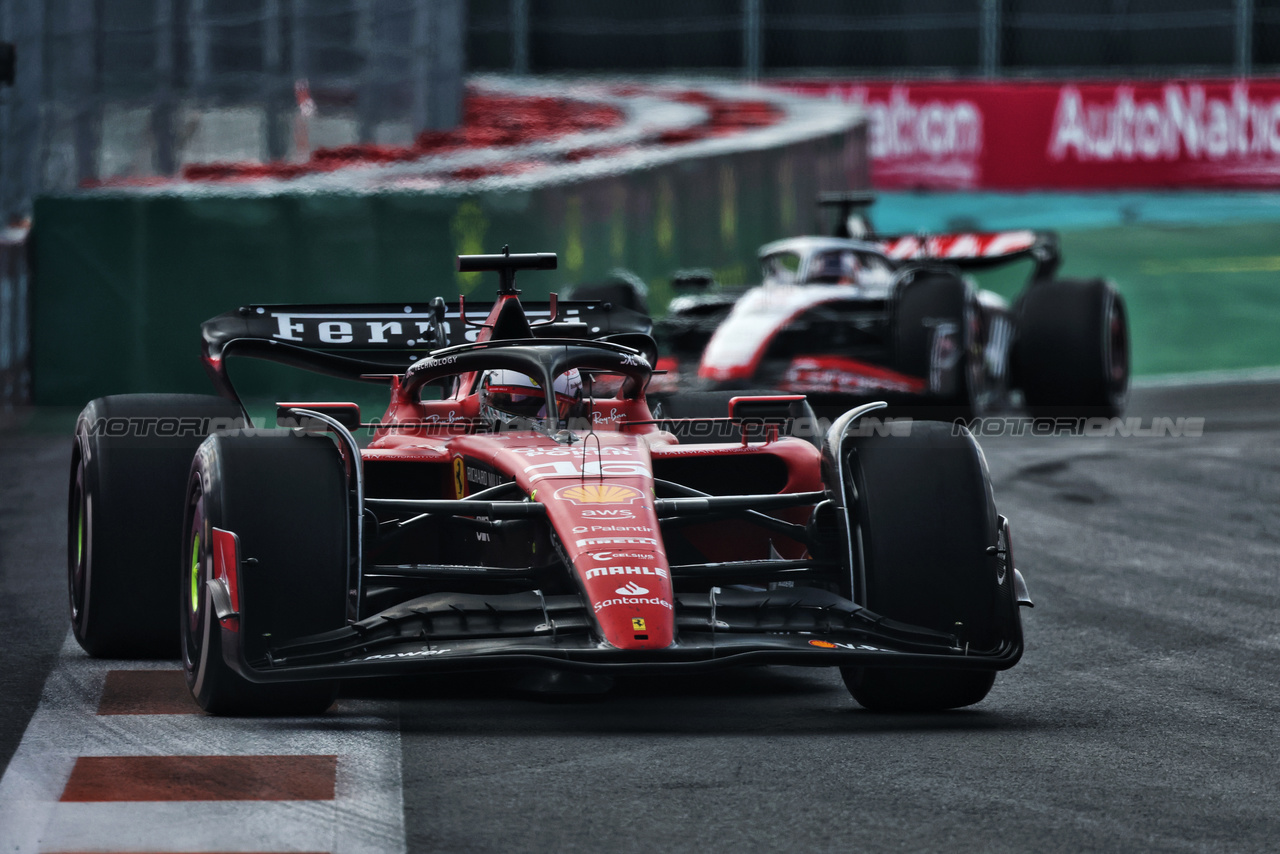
{"x": 1094, "y": 135}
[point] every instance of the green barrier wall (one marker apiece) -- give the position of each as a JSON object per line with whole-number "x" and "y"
{"x": 123, "y": 281}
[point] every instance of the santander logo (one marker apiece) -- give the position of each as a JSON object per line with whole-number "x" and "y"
{"x": 631, "y": 589}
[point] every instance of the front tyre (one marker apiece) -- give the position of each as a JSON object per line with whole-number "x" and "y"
{"x": 285, "y": 498}
{"x": 129, "y": 465}
{"x": 924, "y": 521}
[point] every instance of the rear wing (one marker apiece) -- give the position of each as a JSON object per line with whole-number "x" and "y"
{"x": 970, "y": 250}
{"x": 370, "y": 340}
{"x": 977, "y": 250}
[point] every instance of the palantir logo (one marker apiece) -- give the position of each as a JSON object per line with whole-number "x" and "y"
{"x": 631, "y": 589}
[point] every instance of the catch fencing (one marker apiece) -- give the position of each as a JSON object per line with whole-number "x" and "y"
{"x": 128, "y": 89}
{"x": 993, "y": 39}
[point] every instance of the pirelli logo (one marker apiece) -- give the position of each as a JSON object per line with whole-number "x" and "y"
{"x": 618, "y": 541}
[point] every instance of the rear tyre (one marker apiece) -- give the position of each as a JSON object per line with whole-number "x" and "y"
{"x": 924, "y": 519}
{"x": 625, "y": 291}
{"x": 936, "y": 339}
{"x": 1071, "y": 357}
{"x": 715, "y": 404}
{"x": 129, "y": 465}
{"x": 285, "y": 498}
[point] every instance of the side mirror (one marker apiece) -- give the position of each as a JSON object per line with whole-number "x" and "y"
{"x": 774, "y": 409}
{"x": 636, "y": 341}
{"x": 693, "y": 280}
{"x": 346, "y": 414}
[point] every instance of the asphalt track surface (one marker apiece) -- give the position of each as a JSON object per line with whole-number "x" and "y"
{"x": 1145, "y": 715}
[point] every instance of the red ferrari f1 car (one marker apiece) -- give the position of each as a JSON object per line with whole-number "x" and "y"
{"x": 861, "y": 316}
{"x": 520, "y": 506}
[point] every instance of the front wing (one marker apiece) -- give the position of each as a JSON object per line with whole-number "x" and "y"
{"x": 723, "y": 628}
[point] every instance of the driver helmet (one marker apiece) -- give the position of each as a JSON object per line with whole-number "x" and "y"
{"x": 840, "y": 268}
{"x": 512, "y": 399}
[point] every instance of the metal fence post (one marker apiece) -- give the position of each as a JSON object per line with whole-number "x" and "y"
{"x": 366, "y": 84}
{"x": 751, "y": 58}
{"x": 22, "y": 157}
{"x": 448, "y": 36}
{"x": 419, "y": 64}
{"x": 162, "y": 111}
{"x": 275, "y": 85}
{"x": 86, "y": 24}
{"x": 298, "y": 57}
{"x": 990, "y": 44}
{"x": 10, "y": 179}
{"x": 198, "y": 34}
{"x": 520, "y": 36}
{"x": 1244, "y": 37}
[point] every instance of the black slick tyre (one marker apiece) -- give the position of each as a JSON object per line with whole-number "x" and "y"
{"x": 129, "y": 465}
{"x": 1071, "y": 357}
{"x": 924, "y": 520}
{"x": 935, "y": 324}
{"x": 284, "y": 496}
{"x": 623, "y": 292}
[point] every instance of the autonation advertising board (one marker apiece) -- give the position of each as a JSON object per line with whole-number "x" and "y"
{"x": 1068, "y": 136}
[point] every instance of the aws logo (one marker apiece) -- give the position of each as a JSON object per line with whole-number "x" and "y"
{"x": 619, "y": 513}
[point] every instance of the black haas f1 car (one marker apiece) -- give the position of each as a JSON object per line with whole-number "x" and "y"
{"x": 519, "y": 506}
{"x": 862, "y": 316}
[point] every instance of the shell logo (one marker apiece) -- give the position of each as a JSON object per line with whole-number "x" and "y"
{"x": 599, "y": 493}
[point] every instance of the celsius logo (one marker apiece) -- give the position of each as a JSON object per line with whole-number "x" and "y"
{"x": 631, "y": 589}
{"x": 605, "y": 557}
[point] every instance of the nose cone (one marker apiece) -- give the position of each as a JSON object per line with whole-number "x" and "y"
{"x": 599, "y": 500}
{"x": 632, "y": 600}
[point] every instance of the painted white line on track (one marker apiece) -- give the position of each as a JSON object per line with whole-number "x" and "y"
{"x": 366, "y": 814}
{"x": 1222, "y": 377}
